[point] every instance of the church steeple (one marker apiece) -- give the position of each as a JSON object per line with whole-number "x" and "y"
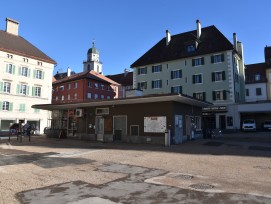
{"x": 93, "y": 61}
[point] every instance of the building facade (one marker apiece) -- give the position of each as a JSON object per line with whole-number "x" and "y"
{"x": 125, "y": 80}
{"x": 81, "y": 87}
{"x": 25, "y": 79}
{"x": 143, "y": 119}
{"x": 201, "y": 63}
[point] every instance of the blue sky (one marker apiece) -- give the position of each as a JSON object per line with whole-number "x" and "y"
{"x": 125, "y": 29}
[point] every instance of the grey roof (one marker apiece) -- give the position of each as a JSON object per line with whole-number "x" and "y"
{"x": 18, "y": 45}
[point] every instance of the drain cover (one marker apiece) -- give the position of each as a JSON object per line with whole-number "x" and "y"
{"x": 183, "y": 176}
{"x": 262, "y": 167}
{"x": 201, "y": 186}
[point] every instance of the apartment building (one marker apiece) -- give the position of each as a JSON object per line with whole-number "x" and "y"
{"x": 201, "y": 63}
{"x": 256, "y": 82}
{"x": 25, "y": 79}
{"x": 81, "y": 87}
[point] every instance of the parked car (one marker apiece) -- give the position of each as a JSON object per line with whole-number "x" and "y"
{"x": 249, "y": 125}
{"x": 267, "y": 125}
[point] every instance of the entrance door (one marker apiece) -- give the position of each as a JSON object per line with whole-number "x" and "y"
{"x": 99, "y": 129}
{"x": 222, "y": 122}
{"x": 120, "y": 128}
{"x": 178, "y": 133}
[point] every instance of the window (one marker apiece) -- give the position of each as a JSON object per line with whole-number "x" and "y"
{"x": 22, "y": 89}
{"x": 61, "y": 88}
{"x": 9, "y": 56}
{"x": 69, "y": 85}
{"x": 142, "y": 85}
{"x": 176, "y": 89}
{"x": 89, "y": 84}
{"x": 96, "y": 85}
{"x": 22, "y": 107}
{"x": 62, "y": 98}
{"x": 176, "y": 74}
{"x": 157, "y": 68}
{"x": 6, "y": 106}
{"x": 25, "y": 59}
{"x": 219, "y": 95}
{"x": 69, "y": 97}
{"x": 75, "y": 96}
{"x": 257, "y": 77}
{"x": 96, "y": 96}
{"x": 75, "y": 85}
{"x": 197, "y": 79}
{"x": 199, "y": 96}
{"x": 7, "y": 87}
{"x": 102, "y": 86}
{"x": 217, "y": 58}
{"x": 142, "y": 71}
{"x": 56, "y": 98}
{"x": 190, "y": 48}
{"x": 38, "y": 74}
{"x": 108, "y": 97}
{"x": 102, "y": 96}
{"x": 102, "y": 111}
{"x": 218, "y": 76}
{"x": 24, "y": 71}
{"x": 198, "y": 62}
{"x": 36, "y": 91}
{"x": 39, "y": 63}
{"x": 258, "y": 91}
{"x": 247, "y": 92}
{"x": 10, "y": 68}
{"x": 157, "y": 84}
{"x": 89, "y": 96}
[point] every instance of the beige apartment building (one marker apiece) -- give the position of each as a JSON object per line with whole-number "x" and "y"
{"x": 201, "y": 63}
{"x": 25, "y": 79}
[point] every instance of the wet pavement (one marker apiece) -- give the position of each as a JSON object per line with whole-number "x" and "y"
{"x": 232, "y": 169}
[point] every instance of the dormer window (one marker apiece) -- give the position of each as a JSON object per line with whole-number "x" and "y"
{"x": 190, "y": 48}
{"x": 257, "y": 77}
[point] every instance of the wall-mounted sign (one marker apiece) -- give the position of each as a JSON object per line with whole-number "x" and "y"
{"x": 155, "y": 124}
{"x": 215, "y": 109}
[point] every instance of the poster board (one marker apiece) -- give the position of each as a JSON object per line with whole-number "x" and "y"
{"x": 155, "y": 124}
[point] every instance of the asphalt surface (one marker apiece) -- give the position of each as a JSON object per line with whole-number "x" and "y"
{"x": 235, "y": 168}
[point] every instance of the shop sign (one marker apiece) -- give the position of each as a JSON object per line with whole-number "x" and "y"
{"x": 215, "y": 109}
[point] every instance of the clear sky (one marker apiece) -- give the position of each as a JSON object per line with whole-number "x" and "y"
{"x": 124, "y": 30}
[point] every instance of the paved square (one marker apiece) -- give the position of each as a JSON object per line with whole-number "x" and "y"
{"x": 233, "y": 169}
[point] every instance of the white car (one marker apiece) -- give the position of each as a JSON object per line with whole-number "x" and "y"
{"x": 267, "y": 125}
{"x": 249, "y": 125}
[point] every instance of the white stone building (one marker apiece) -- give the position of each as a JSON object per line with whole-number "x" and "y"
{"x": 25, "y": 79}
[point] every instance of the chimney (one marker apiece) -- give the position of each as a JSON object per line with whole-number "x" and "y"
{"x": 235, "y": 42}
{"x": 126, "y": 71}
{"x": 12, "y": 26}
{"x": 198, "y": 29}
{"x": 68, "y": 72}
{"x": 168, "y": 37}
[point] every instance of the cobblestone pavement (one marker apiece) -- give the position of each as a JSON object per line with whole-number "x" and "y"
{"x": 233, "y": 169}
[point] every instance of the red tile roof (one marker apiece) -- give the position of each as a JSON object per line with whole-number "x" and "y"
{"x": 252, "y": 70}
{"x": 125, "y": 79}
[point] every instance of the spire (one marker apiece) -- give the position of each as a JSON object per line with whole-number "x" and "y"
{"x": 93, "y": 43}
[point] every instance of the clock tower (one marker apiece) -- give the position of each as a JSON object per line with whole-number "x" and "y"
{"x": 93, "y": 61}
